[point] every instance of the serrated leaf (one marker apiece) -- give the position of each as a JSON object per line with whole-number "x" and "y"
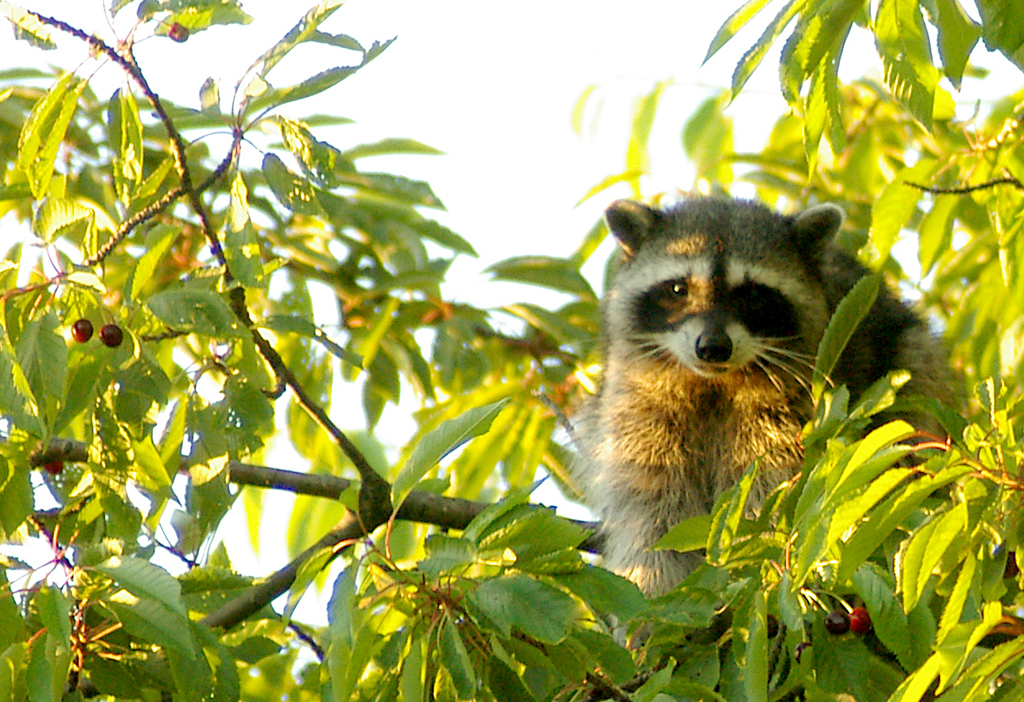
{"x": 903, "y": 44}
{"x": 958, "y": 35}
{"x": 753, "y": 57}
{"x": 152, "y": 621}
{"x": 889, "y": 515}
{"x": 194, "y": 310}
{"x": 895, "y": 207}
{"x": 296, "y": 193}
{"x": 555, "y": 273}
{"x": 877, "y": 589}
{"x": 526, "y": 604}
{"x": 304, "y": 30}
{"x": 390, "y": 147}
{"x": 728, "y": 512}
{"x": 58, "y": 217}
{"x": 275, "y": 97}
{"x": 125, "y": 135}
{"x": 446, "y": 553}
{"x": 143, "y": 579}
{"x": 55, "y": 611}
{"x": 44, "y": 130}
{"x": 688, "y": 535}
{"x": 15, "y": 497}
{"x": 455, "y": 658}
{"x": 736, "y": 21}
{"x": 27, "y": 26}
{"x": 845, "y": 320}
{"x": 241, "y": 245}
{"x": 43, "y": 357}
{"x": 1002, "y": 30}
{"x": 158, "y": 242}
{"x": 438, "y": 443}
{"x": 925, "y": 548}
{"x": 534, "y": 533}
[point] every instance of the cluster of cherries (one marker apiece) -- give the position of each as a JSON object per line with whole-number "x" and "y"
{"x": 110, "y": 334}
{"x": 81, "y": 331}
{"x": 839, "y": 621}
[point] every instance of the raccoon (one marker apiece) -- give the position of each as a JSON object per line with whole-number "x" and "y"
{"x": 712, "y": 322}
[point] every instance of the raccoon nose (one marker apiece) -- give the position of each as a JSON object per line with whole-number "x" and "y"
{"x": 714, "y": 346}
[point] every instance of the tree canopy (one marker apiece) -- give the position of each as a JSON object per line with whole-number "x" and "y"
{"x": 171, "y": 332}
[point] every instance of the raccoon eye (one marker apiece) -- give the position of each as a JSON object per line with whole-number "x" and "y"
{"x": 672, "y": 289}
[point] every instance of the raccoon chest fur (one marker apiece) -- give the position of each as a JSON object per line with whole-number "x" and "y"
{"x": 711, "y": 323}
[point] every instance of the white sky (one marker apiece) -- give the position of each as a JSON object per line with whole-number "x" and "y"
{"x": 491, "y": 84}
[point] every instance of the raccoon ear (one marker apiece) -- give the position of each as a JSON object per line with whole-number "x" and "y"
{"x": 631, "y": 222}
{"x": 818, "y": 225}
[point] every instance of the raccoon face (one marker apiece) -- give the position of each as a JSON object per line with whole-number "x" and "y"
{"x": 723, "y": 287}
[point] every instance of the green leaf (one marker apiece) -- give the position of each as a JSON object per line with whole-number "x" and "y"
{"x": 44, "y": 130}
{"x": 637, "y": 156}
{"x": 725, "y": 520}
{"x": 143, "y": 579}
{"x": 197, "y": 15}
{"x": 209, "y": 96}
{"x": 27, "y": 27}
{"x": 124, "y": 129}
{"x": 55, "y": 611}
{"x": 58, "y": 217}
{"x": 526, "y": 604}
{"x": 877, "y": 589}
{"x": 688, "y": 535}
{"x": 43, "y": 357}
{"x": 390, "y": 147}
{"x": 15, "y": 497}
{"x": 707, "y": 139}
{"x": 533, "y": 532}
{"x": 304, "y": 30}
{"x": 889, "y": 515}
{"x": 753, "y": 57}
{"x": 895, "y": 207}
{"x": 751, "y": 649}
{"x": 922, "y": 552}
{"x": 194, "y": 310}
{"x": 446, "y": 554}
{"x": 736, "y": 21}
{"x": 241, "y": 244}
{"x": 966, "y": 584}
{"x": 12, "y": 625}
{"x": 158, "y": 242}
{"x": 936, "y": 232}
{"x": 903, "y": 44}
{"x": 1002, "y": 30}
{"x": 560, "y": 274}
{"x": 314, "y": 85}
{"x": 438, "y": 443}
{"x": 958, "y": 35}
{"x": 847, "y": 317}
{"x": 455, "y": 658}
{"x": 605, "y": 592}
{"x": 151, "y": 621}
{"x": 296, "y": 193}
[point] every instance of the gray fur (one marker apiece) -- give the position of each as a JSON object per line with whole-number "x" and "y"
{"x": 693, "y": 391}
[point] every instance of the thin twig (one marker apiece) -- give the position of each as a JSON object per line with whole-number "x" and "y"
{"x": 967, "y": 189}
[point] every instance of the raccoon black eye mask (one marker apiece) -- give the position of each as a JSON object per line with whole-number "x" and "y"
{"x": 711, "y": 323}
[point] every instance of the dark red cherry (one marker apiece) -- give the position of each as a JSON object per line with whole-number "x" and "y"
{"x": 111, "y": 335}
{"x": 860, "y": 620}
{"x": 178, "y": 32}
{"x": 54, "y": 467}
{"x": 837, "y": 622}
{"x": 81, "y": 331}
